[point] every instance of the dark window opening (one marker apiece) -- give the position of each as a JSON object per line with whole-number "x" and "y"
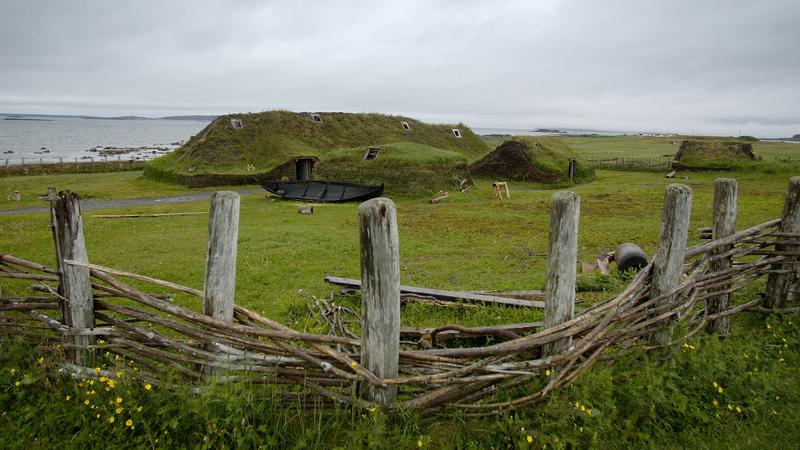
{"x": 571, "y": 169}
{"x": 456, "y": 132}
{"x": 405, "y": 125}
{"x": 237, "y": 123}
{"x": 316, "y": 117}
{"x": 371, "y": 153}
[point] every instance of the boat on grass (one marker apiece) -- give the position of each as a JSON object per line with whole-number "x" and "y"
{"x": 322, "y": 191}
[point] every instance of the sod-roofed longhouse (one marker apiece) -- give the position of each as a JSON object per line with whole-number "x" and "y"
{"x": 369, "y": 148}
{"x": 708, "y": 154}
{"x": 538, "y": 159}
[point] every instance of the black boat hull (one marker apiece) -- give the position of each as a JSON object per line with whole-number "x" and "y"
{"x": 322, "y": 191}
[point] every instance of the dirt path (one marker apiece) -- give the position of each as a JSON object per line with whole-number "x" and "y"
{"x": 90, "y": 204}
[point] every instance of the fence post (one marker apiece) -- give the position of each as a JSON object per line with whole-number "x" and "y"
{"x": 562, "y": 259}
{"x": 668, "y": 261}
{"x": 779, "y": 283}
{"x": 75, "y": 286}
{"x": 380, "y": 295}
{"x": 220, "y": 281}
{"x": 724, "y": 224}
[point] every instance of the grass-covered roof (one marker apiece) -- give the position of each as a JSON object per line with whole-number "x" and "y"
{"x": 541, "y": 159}
{"x": 267, "y": 140}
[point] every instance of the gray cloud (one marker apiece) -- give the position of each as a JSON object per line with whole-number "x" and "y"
{"x": 623, "y": 65}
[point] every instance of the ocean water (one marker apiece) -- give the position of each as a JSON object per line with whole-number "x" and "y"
{"x": 69, "y": 138}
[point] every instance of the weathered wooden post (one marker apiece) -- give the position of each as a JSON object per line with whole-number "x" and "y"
{"x": 780, "y": 282}
{"x": 76, "y": 286}
{"x": 562, "y": 260}
{"x": 668, "y": 261}
{"x": 724, "y": 224}
{"x": 220, "y": 281}
{"x": 380, "y": 295}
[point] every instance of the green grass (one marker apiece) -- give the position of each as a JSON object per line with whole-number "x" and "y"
{"x": 469, "y": 241}
{"x": 106, "y": 186}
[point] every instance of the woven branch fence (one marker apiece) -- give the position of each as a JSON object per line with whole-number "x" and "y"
{"x": 92, "y": 312}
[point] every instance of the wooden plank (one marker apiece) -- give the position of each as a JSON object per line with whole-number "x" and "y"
{"x": 780, "y": 286}
{"x": 562, "y": 260}
{"x": 132, "y": 216}
{"x": 454, "y": 296}
{"x": 671, "y": 250}
{"x": 380, "y": 298}
{"x": 724, "y": 225}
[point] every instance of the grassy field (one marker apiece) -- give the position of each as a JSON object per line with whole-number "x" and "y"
{"x": 469, "y": 241}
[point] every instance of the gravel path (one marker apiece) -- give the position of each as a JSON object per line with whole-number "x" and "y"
{"x": 90, "y": 204}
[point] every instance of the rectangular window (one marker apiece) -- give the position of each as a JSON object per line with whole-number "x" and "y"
{"x": 456, "y": 132}
{"x": 237, "y": 123}
{"x": 371, "y": 153}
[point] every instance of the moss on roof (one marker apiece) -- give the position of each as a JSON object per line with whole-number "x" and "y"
{"x": 270, "y": 139}
{"x": 539, "y": 159}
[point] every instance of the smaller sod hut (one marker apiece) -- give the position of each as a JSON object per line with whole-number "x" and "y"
{"x": 537, "y": 159}
{"x": 707, "y": 154}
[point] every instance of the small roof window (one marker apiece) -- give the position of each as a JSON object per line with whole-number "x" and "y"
{"x": 405, "y": 125}
{"x": 371, "y": 153}
{"x": 316, "y": 117}
{"x": 237, "y": 123}
{"x": 456, "y": 132}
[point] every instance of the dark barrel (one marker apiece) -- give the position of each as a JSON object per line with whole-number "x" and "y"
{"x": 629, "y": 256}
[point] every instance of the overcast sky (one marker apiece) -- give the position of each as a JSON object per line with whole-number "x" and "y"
{"x": 703, "y": 66}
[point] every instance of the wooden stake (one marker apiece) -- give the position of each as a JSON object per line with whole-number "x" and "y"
{"x": 380, "y": 295}
{"x": 779, "y": 285}
{"x": 220, "y": 281}
{"x": 562, "y": 259}
{"x": 724, "y": 225}
{"x": 75, "y": 284}
{"x": 668, "y": 262}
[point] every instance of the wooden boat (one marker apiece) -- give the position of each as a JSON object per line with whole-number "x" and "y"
{"x": 322, "y": 191}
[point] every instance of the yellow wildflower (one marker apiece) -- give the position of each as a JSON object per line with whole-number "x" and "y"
{"x": 103, "y": 379}
{"x": 119, "y": 374}
{"x": 86, "y": 402}
{"x": 96, "y": 370}
{"x": 139, "y": 409}
{"x": 353, "y": 363}
{"x": 17, "y": 383}
{"x": 129, "y": 423}
{"x": 373, "y": 409}
{"x": 577, "y": 405}
{"x": 738, "y": 409}
{"x": 40, "y": 360}
{"x": 583, "y": 408}
{"x": 547, "y": 372}
{"x": 720, "y": 390}
{"x": 589, "y": 412}
{"x": 111, "y": 420}
{"x": 730, "y": 407}
{"x": 68, "y": 397}
{"x": 715, "y": 402}
{"x": 118, "y": 410}
{"x": 98, "y": 416}
{"x": 529, "y": 439}
{"x": 715, "y": 385}
{"x": 769, "y": 327}
{"x": 148, "y": 386}
{"x": 91, "y": 382}
{"x": 419, "y": 443}
{"x": 119, "y": 400}
{"x": 13, "y": 371}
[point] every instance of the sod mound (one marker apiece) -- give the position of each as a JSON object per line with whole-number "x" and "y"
{"x": 538, "y": 159}
{"x": 697, "y": 155}
{"x": 235, "y": 148}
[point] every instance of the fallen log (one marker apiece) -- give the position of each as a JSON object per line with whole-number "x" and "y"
{"x": 461, "y": 296}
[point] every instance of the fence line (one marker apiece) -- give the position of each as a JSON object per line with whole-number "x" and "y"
{"x": 630, "y": 162}
{"x": 377, "y": 368}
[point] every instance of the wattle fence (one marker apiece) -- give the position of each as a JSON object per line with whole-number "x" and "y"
{"x": 88, "y": 309}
